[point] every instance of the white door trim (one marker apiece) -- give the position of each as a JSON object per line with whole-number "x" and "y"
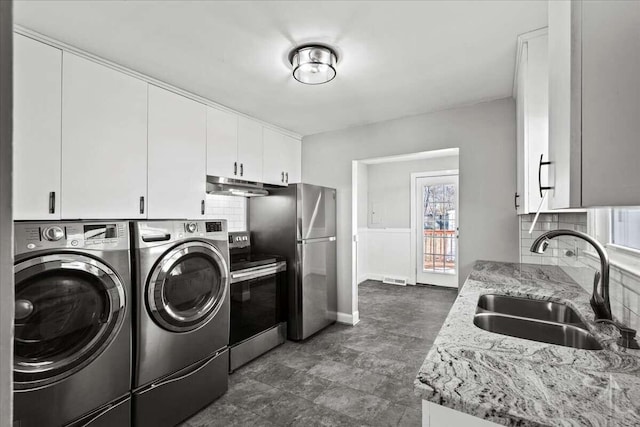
{"x": 414, "y": 230}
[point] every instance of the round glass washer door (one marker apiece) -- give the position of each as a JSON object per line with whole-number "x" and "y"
{"x": 68, "y": 309}
{"x": 187, "y": 286}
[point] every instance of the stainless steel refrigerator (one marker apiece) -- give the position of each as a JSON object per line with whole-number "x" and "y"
{"x": 299, "y": 223}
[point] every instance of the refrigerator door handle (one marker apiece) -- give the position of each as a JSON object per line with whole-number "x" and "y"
{"x": 318, "y": 240}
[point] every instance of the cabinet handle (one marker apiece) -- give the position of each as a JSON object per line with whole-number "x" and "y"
{"x": 515, "y": 200}
{"x": 241, "y": 169}
{"x": 52, "y": 202}
{"x": 202, "y": 207}
{"x": 141, "y": 204}
{"x": 286, "y": 179}
{"x": 235, "y": 168}
{"x": 282, "y": 178}
{"x": 540, "y": 187}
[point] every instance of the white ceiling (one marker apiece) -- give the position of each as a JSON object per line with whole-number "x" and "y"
{"x": 396, "y": 58}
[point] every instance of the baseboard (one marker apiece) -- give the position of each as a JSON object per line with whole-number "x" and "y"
{"x": 349, "y": 319}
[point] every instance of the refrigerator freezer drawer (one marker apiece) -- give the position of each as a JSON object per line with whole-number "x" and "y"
{"x": 175, "y": 398}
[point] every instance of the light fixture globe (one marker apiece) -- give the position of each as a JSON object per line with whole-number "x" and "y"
{"x": 313, "y": 64}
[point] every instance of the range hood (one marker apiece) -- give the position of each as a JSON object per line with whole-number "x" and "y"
{"x": 234, "y": 187}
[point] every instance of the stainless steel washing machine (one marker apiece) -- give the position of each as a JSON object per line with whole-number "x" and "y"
{"x": 72, "y": 344}
{"x": 182, "y": 318}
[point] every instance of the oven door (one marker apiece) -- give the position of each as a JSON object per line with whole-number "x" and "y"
{"x": 256, "y": 300}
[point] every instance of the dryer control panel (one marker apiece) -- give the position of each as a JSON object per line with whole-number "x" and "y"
{"x": 153, "y": 233}
{"x": 33, "y": 236}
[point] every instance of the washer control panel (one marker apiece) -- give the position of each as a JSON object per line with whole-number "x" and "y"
{"x": 32, "y": 236}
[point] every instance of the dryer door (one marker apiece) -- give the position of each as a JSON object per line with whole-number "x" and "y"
{"x": 68, "y": 309}
{"x": 188, "y": 286}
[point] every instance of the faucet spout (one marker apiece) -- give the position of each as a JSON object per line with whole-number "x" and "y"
{"x": 600, "y": 297}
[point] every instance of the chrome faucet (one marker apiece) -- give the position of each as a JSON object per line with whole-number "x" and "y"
{"x": 599, "y": 299}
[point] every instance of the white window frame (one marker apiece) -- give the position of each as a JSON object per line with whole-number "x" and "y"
{"x": 599, "y": 225}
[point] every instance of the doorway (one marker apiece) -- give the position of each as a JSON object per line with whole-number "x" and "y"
{"x": 437, "y": 224}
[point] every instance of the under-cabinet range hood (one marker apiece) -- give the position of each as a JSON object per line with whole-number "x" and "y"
{"x": 234, "y": 187}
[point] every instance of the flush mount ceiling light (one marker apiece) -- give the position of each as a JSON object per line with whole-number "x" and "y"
{"x": 313, "y": 64}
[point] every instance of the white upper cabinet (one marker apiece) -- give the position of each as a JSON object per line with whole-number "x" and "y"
{"x": 36, "y": 132}
{"x": 250, "y": 150}
{"x": 293, "y": 156}
{"x": 594, "y": 103}
{"x": 274, "y": 160}
{"x": 281, "y": 162}
{"x": 177, "y": 155}
{"x": 222, "y": 143}
{"x": 532, "y": 110}
{"x": 104, "y": 142}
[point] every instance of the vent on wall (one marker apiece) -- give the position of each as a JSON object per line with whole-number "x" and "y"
{"x": 394, "y": 281}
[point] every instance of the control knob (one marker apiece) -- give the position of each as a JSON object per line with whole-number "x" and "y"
{"x": 53, "y": 234}
{"x": 191, "y": 227}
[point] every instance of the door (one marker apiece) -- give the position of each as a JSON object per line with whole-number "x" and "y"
{"x": 437, "y": 237}
{"x": 222, "y": 143}
{"x": 316, "y": 212}
{"x": 520, "y": 201}
{"x": 104, "y": 142}
{"x": 275, "y": 157}
{"x": 177, "y": 155}
{"x": 187, "y": 287}
{"x": 318, "y": 285}
{"x": 68, "y": 309}
{"x": 250, "y": 150}
{"x": 37, "y": 113}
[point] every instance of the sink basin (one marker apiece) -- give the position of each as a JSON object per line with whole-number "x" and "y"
{"x": 542, "y": 321}
{"x": 530, "y": 308}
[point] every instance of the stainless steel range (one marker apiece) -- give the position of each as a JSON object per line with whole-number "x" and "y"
{"x": 258, "y": 301}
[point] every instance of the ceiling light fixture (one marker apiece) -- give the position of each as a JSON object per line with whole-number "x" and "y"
{"x": 313, "y": 64}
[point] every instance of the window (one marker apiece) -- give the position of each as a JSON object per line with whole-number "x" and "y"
{"x": 619, "y": 230}
{"x": 625, "y": 228}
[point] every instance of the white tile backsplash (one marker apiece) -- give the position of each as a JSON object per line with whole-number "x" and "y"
{"x": 231, "y": 208}
{"x": 624, "y": 287}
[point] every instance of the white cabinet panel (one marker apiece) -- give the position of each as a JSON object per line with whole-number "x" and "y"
{"x": 293, "y": 158}
{"x": 222, "y": 143}
{"x": 104, "y": 141}
{"x": 177, "y": 156}
{"x": 610, "y": 103}
{"x": 36, "y": 132}
{"x": 250, "y": 149}
{"x": 275, "y": 157}
{"x": 520, "y": 204}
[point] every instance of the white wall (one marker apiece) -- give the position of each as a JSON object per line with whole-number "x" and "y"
{"x": 390, "y": 188}
{"x": 485, "y": 134}
{"x": 231, "y": 208}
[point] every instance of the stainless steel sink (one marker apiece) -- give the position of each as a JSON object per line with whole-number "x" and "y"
{"x": 542, "y": 321}
{"x": 530, "y": 308}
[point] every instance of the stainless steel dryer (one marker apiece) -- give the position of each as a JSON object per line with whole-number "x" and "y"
{"x": 182, "y": 319}
{"x": 72, "y": 351}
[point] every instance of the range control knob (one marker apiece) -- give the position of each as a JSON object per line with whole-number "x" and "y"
{"x": 53, "y": 234}
{"x": 191, "y": 227}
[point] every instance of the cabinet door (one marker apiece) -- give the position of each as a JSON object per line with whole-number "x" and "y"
{"x": 36, "y": 129}
{"x": 520, "y": 201}
{"x": 104, "y": 141}
{"x": 177, "y": 156}
{"x": 275, "y": 157}
{"x": 537, "y": 121}
{"x": 610, "y": 103}
{"x": 222, "y": 143}
{"x": 293, "y": 158}
{"x": 250, "y": 149}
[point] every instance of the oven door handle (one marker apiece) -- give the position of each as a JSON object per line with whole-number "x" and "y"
{"x": 254, "y": 273}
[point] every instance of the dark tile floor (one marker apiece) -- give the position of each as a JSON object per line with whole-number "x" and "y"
{"x": 344, "y": 376}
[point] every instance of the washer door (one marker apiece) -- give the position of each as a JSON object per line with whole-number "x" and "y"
{"x": 188, "y": 286}
{"x": 68, "y": 309}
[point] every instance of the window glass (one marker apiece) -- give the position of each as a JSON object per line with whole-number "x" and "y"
{"x": 625, "y": 227}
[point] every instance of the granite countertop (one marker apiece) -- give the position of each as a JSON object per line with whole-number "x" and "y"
{"x": 513, "y": 381}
